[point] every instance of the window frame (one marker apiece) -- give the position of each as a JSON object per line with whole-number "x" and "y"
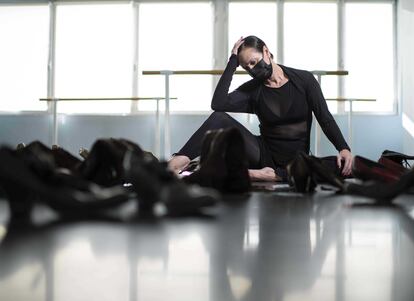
{"x": 219, "y": 53}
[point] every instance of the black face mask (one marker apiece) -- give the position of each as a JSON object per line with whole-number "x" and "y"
{"x": 261, "y": 71}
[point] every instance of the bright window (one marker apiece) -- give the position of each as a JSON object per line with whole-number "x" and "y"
{"x": 94, "y": 56}
{"x": 369, "y": 55}
{"x": 24, "y": 33}
{"x": 311, "y": 41}
{"x": 94, "y": 51}
{"x": 258, "y": 19}
{"x": 176, "y": 36}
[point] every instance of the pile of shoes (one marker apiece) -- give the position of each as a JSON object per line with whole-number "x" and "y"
{"x": 76, "y": 188}
{"x": 382, "y": 180}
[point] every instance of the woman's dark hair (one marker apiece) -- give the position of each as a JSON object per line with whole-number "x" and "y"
{"x": 253, "y": 42}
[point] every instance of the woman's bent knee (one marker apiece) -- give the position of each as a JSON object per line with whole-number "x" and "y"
{"x": 220, "y": 119}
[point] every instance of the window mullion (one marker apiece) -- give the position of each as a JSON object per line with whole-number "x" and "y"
{"x": 396, "y": 100}
{"x": 51, "y": 68}
{"x": 280, "y": 31}
{"x": 341, "y": 54}
{"x": 135, "y": 49}
{"x": 220, "y": 36}
{"x": 51, "y": 55}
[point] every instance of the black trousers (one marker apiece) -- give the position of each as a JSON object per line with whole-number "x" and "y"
{"x": 218, "y": 120}
{"x": 253, "y": 144}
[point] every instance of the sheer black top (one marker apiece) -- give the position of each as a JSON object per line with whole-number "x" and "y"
{"x": 285, "y": 113}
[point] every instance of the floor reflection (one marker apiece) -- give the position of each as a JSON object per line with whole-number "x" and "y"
{"x": 268, "y": 247}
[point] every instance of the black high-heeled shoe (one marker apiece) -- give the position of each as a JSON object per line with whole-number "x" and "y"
{"x": 223, "y": 162}
{"x": 238, "y": 179}
{"x": 59, "y": 156}
{"x": 103, "y": 165}
{"x": 323, "y": 174}
{"x": 305, "y": 172}
{"x": 300, "y": 174}
{"x": 212, "y": 171}
{"x": 153, "y": 182}
{"x": 27, "y": 178}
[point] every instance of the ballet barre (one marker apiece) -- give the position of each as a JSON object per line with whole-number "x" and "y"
{"x": 350, "y": 100}
{"x": 168, "y": 73}
{"x": 220, "y": 71}
{"x": 157, "y": 138}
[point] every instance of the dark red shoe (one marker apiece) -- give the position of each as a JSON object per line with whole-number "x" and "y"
{"x": 399, "y": 158}
{"x": 392, "y": 165}
{"x": 366, "y": 170}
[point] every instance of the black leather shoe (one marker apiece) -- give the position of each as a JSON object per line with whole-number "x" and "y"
{"x": 153, "y": 182}
{"x": 103, "y": 164}
{"x": 305, "y": 172}
{"x": 147, "y": 177}
{"x": 59, "y": 157}
{"x": 27, "y": 178}
{"x": 300, "y": 174}
{"x": 223, "y": 162}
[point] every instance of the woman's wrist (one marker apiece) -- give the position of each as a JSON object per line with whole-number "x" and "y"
{"x": 253, "y": 174}
{"x": 233, "y": 57}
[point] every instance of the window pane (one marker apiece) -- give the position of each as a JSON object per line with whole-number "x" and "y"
{"x": 369, "y": 55}
{"x": 311, "y": 41}
{"x": 94, "y": 56}
{"x": 24, "y": 33}
{"x": 259, "y": 19}
{"x": 176, "y": 36}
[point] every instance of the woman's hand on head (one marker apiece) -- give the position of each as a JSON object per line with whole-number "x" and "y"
{"x": 347, "y": 156}
{"x": 237, "y": 45}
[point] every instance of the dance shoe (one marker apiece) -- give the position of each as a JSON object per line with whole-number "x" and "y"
{"x": 367, "y": 170}
{"x": 223, "y": 162}
{"x": 27, "y": 178}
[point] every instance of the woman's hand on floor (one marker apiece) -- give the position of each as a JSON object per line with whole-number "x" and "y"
{"x": 347, "y": 156}
{"x": 264, "y": 174}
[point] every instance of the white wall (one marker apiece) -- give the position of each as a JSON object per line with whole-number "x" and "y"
{"x": 406, "y": 66}
{"x": 371, "y": 133}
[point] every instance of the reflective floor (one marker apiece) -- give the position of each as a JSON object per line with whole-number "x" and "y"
{"x": 263, "y": 246}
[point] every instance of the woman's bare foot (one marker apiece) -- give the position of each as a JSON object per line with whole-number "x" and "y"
{"x": 264, "y": 174}
{"x": 177, "y": 163}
